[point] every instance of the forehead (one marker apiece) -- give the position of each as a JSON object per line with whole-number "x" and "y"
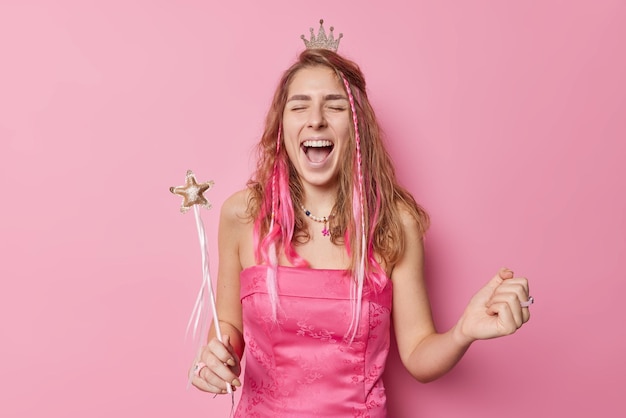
{"x": 312, "y": 79}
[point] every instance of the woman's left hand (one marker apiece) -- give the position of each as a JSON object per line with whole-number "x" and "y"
{"x": 496, "y": 310}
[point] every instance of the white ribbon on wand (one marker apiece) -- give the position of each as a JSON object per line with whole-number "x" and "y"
{"x": 197, "y": 315}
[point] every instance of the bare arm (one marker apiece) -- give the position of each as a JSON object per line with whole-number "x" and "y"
{"x": 427, "y": 354}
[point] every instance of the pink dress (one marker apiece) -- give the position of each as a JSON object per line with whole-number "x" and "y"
{"x": 302, "y": 367}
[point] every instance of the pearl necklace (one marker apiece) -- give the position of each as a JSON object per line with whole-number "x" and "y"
{"x": 323, "y": 220}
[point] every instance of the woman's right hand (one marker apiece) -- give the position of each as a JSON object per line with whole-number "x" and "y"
{"x": 217, "y": 365}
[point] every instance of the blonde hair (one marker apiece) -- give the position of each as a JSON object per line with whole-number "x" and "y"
{"x": 384, "y": 197}
{"x": 367, "y": 215}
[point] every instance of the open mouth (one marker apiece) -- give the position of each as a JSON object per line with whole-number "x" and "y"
{"x": 317, "y": 150}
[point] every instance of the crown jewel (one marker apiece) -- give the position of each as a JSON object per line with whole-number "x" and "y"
{"x": 321, "y": 40}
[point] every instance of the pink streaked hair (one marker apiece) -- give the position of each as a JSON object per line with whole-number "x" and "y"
{"x": 278, "y": 205}
{"x": 371, "y": 208}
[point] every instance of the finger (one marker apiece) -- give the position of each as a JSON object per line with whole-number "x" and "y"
{"x": 506, "y": 322}
{"x": 198, "y": 381}
{"x": 502, "y": 275}
{"x": 526, "y": 299}
{"x": 518, "y": 285}
{"x": 202, "y": 384}
{"x": 512, "y": 301}
{"x": 218, "y": 375}
{"x": 218, "y": 381}
{"x": 519, "y": 281}
{"x": 525, "y": 314}
{"x": 234, "y": 359}
{"x": 223, "y": 350}
{"x": 505, "y": 273}
{"x": 217, "y": 371}
{"x": 526, "y": 308}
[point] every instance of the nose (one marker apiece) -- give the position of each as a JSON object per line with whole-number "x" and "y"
{"x": 316, "y": 118}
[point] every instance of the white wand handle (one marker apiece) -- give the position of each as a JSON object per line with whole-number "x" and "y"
{"x": 206, "y": 284}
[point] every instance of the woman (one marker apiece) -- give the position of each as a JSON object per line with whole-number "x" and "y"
{"x": 320, "y": 253}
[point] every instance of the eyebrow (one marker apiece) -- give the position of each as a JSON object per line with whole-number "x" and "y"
{"x": 327, "y": 97}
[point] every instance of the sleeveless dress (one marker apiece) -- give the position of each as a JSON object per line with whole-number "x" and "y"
{"x": 301, "y": 366}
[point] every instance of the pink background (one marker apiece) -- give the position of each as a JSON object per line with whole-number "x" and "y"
{"x": 506, "y": 119}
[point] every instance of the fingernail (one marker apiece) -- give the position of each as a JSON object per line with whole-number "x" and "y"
{"x": 236, "y": 382}
{"x": 230, "y": 362}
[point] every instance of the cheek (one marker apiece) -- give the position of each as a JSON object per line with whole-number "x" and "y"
{"x": 290, "y": 141}
{"x": 343, "y": 130}
{"x": 343, "y": 122}
{"x": 346, "y": 131}
{"x": 292, "y": 124}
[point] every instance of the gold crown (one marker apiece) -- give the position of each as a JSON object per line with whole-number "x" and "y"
{"x": 321, "y": 40}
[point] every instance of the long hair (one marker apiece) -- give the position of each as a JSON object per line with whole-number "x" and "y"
{"x": 369, "y": 185}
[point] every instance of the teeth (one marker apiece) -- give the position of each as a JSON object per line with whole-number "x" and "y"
{"x": 317, "y": 143}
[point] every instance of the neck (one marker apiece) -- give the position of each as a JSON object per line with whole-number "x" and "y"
{"x": 320, "y": 202}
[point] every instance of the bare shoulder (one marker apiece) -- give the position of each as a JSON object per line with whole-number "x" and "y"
{"x": 412, "y": 233}
{"x": 409, "y": 241}
{"x": 408, "y": 219}
{"x": 235, "y": 237}
{"x": 235, "y": 208}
